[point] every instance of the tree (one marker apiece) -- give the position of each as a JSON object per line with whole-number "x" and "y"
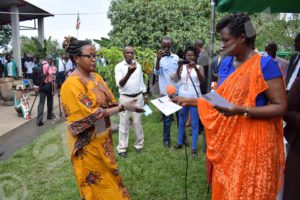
{"x": 5, "y": 36}
{"x": 33, "y": 46}
{"x": 144, "y": 23}
{"x": 278, "y": 28}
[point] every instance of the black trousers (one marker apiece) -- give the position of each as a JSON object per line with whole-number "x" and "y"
{"x": 45, "y": 91}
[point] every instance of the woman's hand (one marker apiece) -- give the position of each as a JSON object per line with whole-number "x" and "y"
{"x": 130, "y": 106}
{"x": 192, "y": 64}
{"x": 179, "y": 100}
{"x": 182, "y": 101}
{"x": 234, "y": 110}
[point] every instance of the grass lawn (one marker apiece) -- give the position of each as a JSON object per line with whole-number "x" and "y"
{"x": 43, "y": 171}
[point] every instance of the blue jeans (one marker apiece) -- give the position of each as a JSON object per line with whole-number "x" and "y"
{"x": 194, "y": 123}
{"x": 167, "y": 122}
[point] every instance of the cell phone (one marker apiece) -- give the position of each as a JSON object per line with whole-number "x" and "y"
{"x": 166, "y": 53}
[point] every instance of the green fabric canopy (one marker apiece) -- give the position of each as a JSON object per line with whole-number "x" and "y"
{"x": 254, "y": 6}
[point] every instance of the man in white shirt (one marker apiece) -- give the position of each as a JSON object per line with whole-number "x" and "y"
{"x": 129, "y": 79}
{"x": 69, "y": 66}
{"x": 29, "y": 65}
{"x": 61, "y": 70}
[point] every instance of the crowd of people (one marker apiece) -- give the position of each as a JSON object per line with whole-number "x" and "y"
{"x": 245, "y": 142}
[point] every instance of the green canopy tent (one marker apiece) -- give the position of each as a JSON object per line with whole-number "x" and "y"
{"x": 249, "y": 6}
{"x": 254, "y": 6}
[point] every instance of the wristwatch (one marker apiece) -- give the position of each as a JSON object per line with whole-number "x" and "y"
{"x": 246, "y": 113}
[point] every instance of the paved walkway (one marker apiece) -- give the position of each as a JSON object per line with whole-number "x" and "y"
{"x": 16, "y": 132}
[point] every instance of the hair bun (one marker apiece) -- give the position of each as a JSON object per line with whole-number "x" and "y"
{"x": 67, "y": 42}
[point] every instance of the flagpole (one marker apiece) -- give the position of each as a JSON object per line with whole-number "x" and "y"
{"x": 77, "y": 24}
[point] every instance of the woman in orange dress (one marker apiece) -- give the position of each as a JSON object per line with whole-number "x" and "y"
{"x": 88, "y": 102}
{"x": 244, "y": 141}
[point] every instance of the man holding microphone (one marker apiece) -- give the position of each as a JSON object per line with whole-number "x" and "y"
{"x": 129, "y": 79}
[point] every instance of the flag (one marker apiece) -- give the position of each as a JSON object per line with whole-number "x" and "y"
{"x": 78, "y": 22}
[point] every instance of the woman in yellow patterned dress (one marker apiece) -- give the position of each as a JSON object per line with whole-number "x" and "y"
{"x": 88, "y": 102}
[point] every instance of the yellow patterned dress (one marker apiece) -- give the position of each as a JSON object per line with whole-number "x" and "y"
{"x": 89, "y": 138}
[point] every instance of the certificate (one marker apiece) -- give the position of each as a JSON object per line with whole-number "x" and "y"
{"x": 165, "y": 105}
{"x": 214, "y": 98}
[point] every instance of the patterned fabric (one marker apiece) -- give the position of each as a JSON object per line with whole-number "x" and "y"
{"x": 246, "y": 153}
{"x": 91, "y": 146}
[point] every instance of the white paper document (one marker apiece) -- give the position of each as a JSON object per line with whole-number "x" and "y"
{"x": 147, "y": 109}
{"x": 165, "y": 105}
{"x": 214, "y": 98}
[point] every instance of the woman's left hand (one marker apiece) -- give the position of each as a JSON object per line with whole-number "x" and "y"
{"x": 192, "y": 64}
{"x": 234, "y": 110}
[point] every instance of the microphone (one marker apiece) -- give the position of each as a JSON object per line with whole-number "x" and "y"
{"x": 171, "y": 91}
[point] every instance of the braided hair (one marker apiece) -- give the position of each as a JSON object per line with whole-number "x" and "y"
{"x": 238, "y": 23}
{"x": 73, "y": 46}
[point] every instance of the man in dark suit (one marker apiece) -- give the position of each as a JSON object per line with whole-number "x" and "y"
{"x": 292, "y": 135}
{"x": 294, "y": 65}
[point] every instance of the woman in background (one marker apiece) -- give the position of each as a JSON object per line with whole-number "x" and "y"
{"x": 189, "y": 77}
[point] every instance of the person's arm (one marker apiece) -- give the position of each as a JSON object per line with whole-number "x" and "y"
{"x": 276, "y": 107}
{"x": 131, "y": 69}
{"x": 80, "y": 111}
{"x": 182, "y": 101}
{"x": 200, "y": 73}
{"x": 292, "y": 115}
{"x": 159, "y": 55}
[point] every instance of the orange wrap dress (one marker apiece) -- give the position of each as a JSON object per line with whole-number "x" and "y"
{"x": 89, "y": 138}
{"x": 246, "y": 153}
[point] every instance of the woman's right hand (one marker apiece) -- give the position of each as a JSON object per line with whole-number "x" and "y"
{"x": 179, "y": 100}
{"x": 130, "y": 106}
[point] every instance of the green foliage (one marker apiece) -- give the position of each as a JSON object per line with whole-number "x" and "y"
{"x": 280, "y": 29}
{"x": 5, "y": 36}
{"x": 103, "y": 42}
{"x": 114, "y": 55}
{"x": 33, "y": 46}
{"x": 43, "y": 170}
{"x": 144, "y": 23}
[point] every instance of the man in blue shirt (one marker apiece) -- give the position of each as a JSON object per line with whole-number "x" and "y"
{"x": 165, "y": 67}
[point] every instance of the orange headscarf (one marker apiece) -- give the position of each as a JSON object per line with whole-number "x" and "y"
{"x": 247, "y": 153}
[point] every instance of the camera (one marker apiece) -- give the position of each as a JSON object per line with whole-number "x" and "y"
{"x": 183, "y": 61}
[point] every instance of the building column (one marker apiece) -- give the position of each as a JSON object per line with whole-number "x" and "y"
{"x": 16, "y": 37}
{"x": 41, "y": 30}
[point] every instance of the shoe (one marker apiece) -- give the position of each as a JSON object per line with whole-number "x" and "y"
{"x": 186, "y": 143}
{"x": 40, "y": 123}
{"x": 2, "y": 153}
{"x": 139, "y": 150}
{"x": 123, "y": 154}
{"x": 178, "y": 146}
{"x": 52, "y": 116}
{"x": 167, "y": 144}
{"x": 194, "y": 153}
